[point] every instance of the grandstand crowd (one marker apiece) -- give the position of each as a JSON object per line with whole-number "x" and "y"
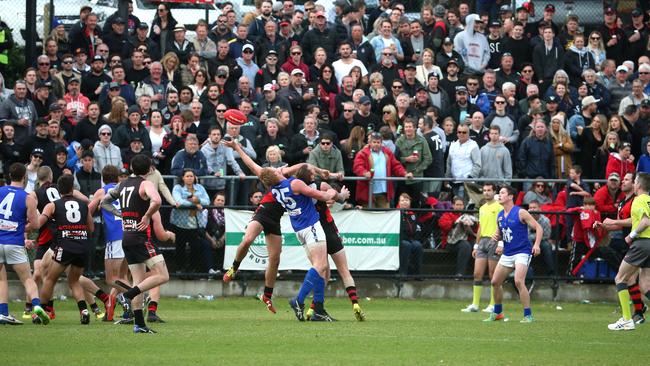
{"x": 466, "y": 90}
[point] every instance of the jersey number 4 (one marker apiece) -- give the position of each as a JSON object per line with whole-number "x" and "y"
{"x": 280, "y": 195}
{"x": 5, "y": 205}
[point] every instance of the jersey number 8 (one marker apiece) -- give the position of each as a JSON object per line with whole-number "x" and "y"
{"x": 72, "y": 212}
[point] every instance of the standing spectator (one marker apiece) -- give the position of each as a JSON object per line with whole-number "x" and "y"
{"x": 218, "y": 158}
{"x": 10, "y": 152}
{"x": 578, "y": 122}
{"x": 496, "y": 162}
{"x": 76, "y": 103}
{"x": 155, "y": 86}
{"x": 87, "y": 180}
{"x": 635, "y": 98}
{"x": 327, "y": 156}
{"x": 464, "y": 160}
{"x": 88, "y": 127}
{"x": 548, "y": 57}
{"x": 140, "y": 41}
{"x": 562, "y": 146}
{"x": 518, "y": 46}
{"x": 415, "y": 156}
{"x": 93, "y": 82}
{"x": 578, "y": 59}
{"x": 410, "y": 248}
{"x": 20, "y": 112}
{"x": 162, "y": 28}
{"x": 462, "y": 109}
{"x": 105, "y": 153}
{"x": 134, "y": 127}
{"x": 507, "y": 125}
{"x": 608, "y": 196}
{"x": 256, "y": 28}
{"x": 376, "y": 161}
{"x": 319, "y": 36}
{"x": 172, "y": 143}
{"x": 41, "y": 140}
{"x": 546, "y": 249}
{"x": 614, "y": 37}
{"x": 189, "y": 158}
{"x": 303, "y": 142}
{"x": 270, "y": 137}
{"x": 88, "y": 37}
{"x": 241, "y": 191}
{"x": 473, "y": 46}
{"x": 188, "y": 222}
{"x": 535, "y": 155}
{"x": 621, "y": 162}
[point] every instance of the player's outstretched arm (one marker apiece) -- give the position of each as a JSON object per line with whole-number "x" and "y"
{"x": 80, "y": 196}
{"x": 97, "y": 200}
{"x": 107, "y": 201}
{"x": 299, "y": 186}
{"x": 250, "y": 163}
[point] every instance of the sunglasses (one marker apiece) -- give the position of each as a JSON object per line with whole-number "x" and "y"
{"x": 527, "y": 70}
{"x": 462, "y": 133}
{"x": 325, "y": 143}
{"x": 105, "y": 133}
{"x": 114, "y": 89}
{"x": 296, "y": 53}
{"x": 539, "y": 185}
{"x": 43, "y": 64}
{"x": 66, "y": 62}
{"x": 348, "y": 110}
{"x": 397, "y": 87}
{"x": 499, "y": 102}
{"x": 221, "y": 111}
{"x": 595, "y": 38}
{"x": 387, "y": 54}
{"x": 37, "y": 157}
{"x": 644, "y": 73}
{"x": 247, "y": 51}
{"x": 147, "y": 62}
{"x": 222, "y": 77}
{"x": 387, "y": 112}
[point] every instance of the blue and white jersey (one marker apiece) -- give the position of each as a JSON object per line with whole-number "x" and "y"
{"x": 514, "y": 233}
{"x": 112, "y": 223}
{"x": 300, "y": 208}
{"x": 13, "y": 215}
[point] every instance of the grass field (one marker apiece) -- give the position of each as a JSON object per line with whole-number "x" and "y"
{"x": 239, "y": 331}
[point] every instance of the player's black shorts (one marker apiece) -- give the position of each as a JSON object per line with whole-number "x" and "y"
{"x": 334, "y": 241}
{"x": 139, "y": 253}
{"x": 66, "y": 257}
{"x": 269, "y": 217}
{"x": 639, "y": 253}
{"x": 42, "y": 249}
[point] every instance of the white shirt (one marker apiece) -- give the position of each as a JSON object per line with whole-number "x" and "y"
{"x": 461, "y": 158}
{"x": 342, "y": 69}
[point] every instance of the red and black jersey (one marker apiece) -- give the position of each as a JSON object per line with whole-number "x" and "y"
{"x": 323, "y": 210}
{"x": 625, "y": 211}
{"x": 270, "y": 208}
{"x": 45, "y": 194}
{"x": 71, "y": 223}
{"x": 133, "y": 208}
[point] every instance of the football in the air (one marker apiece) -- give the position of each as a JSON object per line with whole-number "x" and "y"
{"x": 235, "y": 116}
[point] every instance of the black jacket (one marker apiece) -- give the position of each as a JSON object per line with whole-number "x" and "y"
{"x": 536, "y": 158}
{"x": 314, "y": 38}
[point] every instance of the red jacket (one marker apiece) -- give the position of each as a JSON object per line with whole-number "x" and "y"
{"x": 583, "y": 230}
{"x": 363, "y": 164}
{"x": 446, "y": 223}
{"x": 605, "y": 203}
{"x": 615, "y": 165}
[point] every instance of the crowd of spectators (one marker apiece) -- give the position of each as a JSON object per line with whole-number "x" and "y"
{"x": 473, "y": 90}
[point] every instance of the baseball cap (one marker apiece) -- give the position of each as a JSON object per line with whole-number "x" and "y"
{"x": 297, "y": 71}
{"x": 119, "y": 20}
{"x": 98, "y": 58}
{"x": 447, "y": 40}
{"x": 38, "y": 152}
{"x": 43, "y": 84}
{"x": 365, "y": 100}
{"x": 60, "y": 149}
{"x": 637, "y": 12}
{"x": 134, "y": 109}
{"x": 495, "y": 23}
{"x": 54, "y": 107}
{"x": 248, "y": 46}
{"x": 550, "y": 7}
{"x": 271, "y": 52}
{"x": 143, "y": 25}
{"x": 124, "y": 171}
{"x": 610, "y": 10}
{"x": 113, "y": 85}
{"x": 614, "y": 176}
{"x": 505, "y": 9}
{"x": 222, "y": 72}
{"x": 551, "y": 99}
{"x": 411, "y": 66}
{"x": 645, "y": 103}
{"x": 74, "y": 80}
{"x": 268, "y": 87}
{"x": 461, "y": 89}
{"x": 622, "y": 68}
{"x": 79, "y": 51}
{"x": 136, "y": 139}
{"x": 320, "y": 13}
{"x": 452, "y": 61}
{"x": 179, "y": 28}
{"x": 40, "y": 121}
{"x": 284, "y": 22}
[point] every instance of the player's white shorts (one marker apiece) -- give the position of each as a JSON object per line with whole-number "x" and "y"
{"x": 311, "y": 235}
{"x": 511, "y": 260}
{"x": 13, "y": 254}
{"x": 114, "y": 250}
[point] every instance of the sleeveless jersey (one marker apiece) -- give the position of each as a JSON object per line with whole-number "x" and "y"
{"x": 514, "y": 233}
{"x": 324, "y": 214}
{"x": 112, "y": 223}
{"x": 300, "y": 208}
{"x": 13, "y": 215}
{"x": 47, "y": 193}
{"x": 71, "y": 222}
{"x": 270, "y": 207}
{"x": 133, "y": 208}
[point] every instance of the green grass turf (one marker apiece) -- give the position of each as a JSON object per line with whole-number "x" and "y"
{"x": 239, "y": 331}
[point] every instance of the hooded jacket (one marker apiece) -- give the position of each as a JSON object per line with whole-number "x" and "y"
{"x": 472, "y": 46}
{"x": 495, "y": 162}
{"x": 576, "y": 61}
{"x": 616, "y": 165}
{"x": 106, "y": 155}
{"x": 11, "y": 110}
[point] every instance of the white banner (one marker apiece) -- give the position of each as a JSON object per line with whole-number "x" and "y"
{"x": 371, "y": 241}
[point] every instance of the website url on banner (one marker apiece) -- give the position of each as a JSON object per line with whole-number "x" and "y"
{"x": 363, "y": 240}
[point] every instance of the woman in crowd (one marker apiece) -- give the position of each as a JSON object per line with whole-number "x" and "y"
{"x": 376, "y": 91}
{"x": 60, "y": 36}
{"x": 171, "y": 69}
{"x": 616, "y": 125}
{"x": 117, "y": 116}
{"x": 271, "y": 137}
{"x": 457, "y": 231}
{"x": 562, "y": 146}
{"x": 199, "y": 82}
{"x": 539, "y": 192}
{"x": 273, "y": 157}
{"x": 590, "y": 141}
{"x": 189, "y": 224}
{"x": 157, "y": 133}
{"x": 320, "y": 59}
{"x": 422, "y": 71}
{"x": 360, "y": 82}
{"x": 328, "y": 88}
{"x": 597, "y": 48}
{"x": 410, "y": 248}
{"x": 389, "y": 118}
{"x": 189, "y": 70}
{"x": 172, "y": 143}
{"x": 609, "y": 146}
{"x": 162, "y": 27}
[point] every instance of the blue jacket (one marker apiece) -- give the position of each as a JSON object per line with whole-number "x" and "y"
{"x": 185, "y": 217}
{"x": 182, "y": 160}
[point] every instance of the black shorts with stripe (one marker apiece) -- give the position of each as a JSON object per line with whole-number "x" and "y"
{"x": 140, "y": 253}
{"x": 269, "y": 214}
{"x": 66, "y": 257}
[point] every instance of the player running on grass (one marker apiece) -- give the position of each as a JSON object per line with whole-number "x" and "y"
{"x": 513, "y": 224}
{"x": 74, "y": 224}
{"x": 18, "y": 214}
{"x": 139, "y": 202}
{"x": 638, "y": 256}
{"x": 484, "y": 251}
{"x": 296, "y": 197}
